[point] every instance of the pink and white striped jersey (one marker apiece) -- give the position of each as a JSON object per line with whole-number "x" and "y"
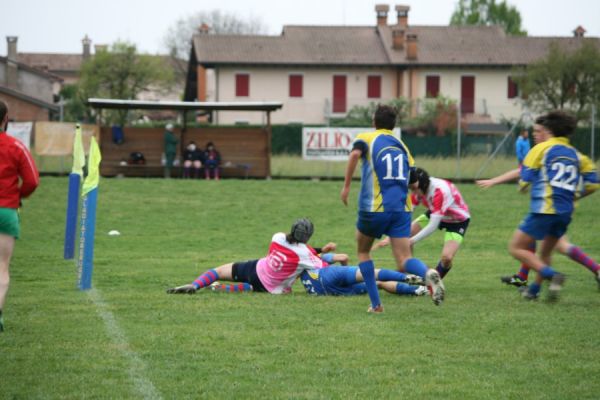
{"x": 280, "y": 268}
{"x": 443, "y": 198}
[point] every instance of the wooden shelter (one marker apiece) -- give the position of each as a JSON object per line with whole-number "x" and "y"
{"x": 245, "y": 150}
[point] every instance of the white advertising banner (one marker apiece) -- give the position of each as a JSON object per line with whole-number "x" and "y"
{"x": 21, "y": 131}
{"x": 333, "y": 144}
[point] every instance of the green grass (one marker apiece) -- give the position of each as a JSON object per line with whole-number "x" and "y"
{"x": 450, "y": 168}
{"x": 484, "y": 342}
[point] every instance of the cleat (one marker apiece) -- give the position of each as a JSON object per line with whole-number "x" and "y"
{"x": 1, "y": 322}
{"x": 377, "y": 310}
{"x": 514, "y": 280}
{"x": 414, "y": 280}
{"x": 527, "y": 295}
{"x": 556, "y": 284}
{"x": 187, "y": 289}
{"x": 421, "y": 291}
{"x": 216, "y": 286}
{"x": 436, "y": 287}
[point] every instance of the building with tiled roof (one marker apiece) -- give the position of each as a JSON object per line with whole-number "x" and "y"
{"x": 67, "y": 66}
{"x": 320, "y": 72}
{"x": 26, "y": 90}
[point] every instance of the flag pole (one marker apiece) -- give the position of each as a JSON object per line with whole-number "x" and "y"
{"x": 88, "y": 217}
{"x": 73, "y": 195}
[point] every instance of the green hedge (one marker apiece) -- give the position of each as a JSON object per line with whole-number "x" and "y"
{"x": 287, "y": 139}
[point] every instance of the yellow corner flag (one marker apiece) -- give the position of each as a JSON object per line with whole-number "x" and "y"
{"x": 93, "y": 177}
{"x": 78, "y": 153}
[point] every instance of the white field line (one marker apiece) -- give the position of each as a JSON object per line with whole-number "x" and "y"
{"x": 137, "y": 367}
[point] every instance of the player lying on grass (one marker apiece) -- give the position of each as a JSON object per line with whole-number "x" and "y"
{"x": 554, "y": 169}
{"x": 322, "y": 279}
{"x": 563, "y": 246}
{"x": 348, "y": 281}
{"x": 446, "y": 209}
{"x": 289, "y": 255}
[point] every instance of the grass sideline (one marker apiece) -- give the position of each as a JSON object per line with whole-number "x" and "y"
{"x": 483, "y": 342}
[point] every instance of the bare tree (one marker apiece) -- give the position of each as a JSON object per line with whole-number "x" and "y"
{"x": 179, "y": 35}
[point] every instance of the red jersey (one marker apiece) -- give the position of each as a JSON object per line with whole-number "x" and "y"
{"x": 15, "y": 162}
{"x": 443, "y": 198}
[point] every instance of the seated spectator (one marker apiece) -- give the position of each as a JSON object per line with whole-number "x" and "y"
{"x": 192, "y": 157}
{"x": 212, "y": 159}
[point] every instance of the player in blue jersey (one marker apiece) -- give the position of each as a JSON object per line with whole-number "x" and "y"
{"x": 384, "y": 206}
{"x": 348, "y": 281}
{"x": 554, "y": 170}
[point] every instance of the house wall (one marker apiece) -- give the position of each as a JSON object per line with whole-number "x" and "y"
{"x": 491, "y": 90}
{"x": 22, "y": 111}
{"x": 31, "y": 84}
{"x": 272, "y": 84}
{"x": 35, "y": 86}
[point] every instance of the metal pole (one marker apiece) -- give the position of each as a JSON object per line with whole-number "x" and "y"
{"x": 458, "y": 135}
{"x": 508, "y": 134}
{"x": 593, "y": 141}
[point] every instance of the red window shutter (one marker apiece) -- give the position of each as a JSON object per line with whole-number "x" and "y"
{"x": 513, "y": 89}
{"x": 296, "y": 85}
{"x": 374, "y": 87}
{"x": 467, "y": 94}
{"x": 242, "y": 85}
{"x": 432, "y": 86}
{"x": 339, "y": 93}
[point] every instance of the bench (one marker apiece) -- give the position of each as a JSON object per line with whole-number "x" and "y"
{"x": 148, "y": 170}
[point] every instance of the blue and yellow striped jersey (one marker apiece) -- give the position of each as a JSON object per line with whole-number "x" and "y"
{"x": 556, "y": 171}
{"x": 386, "y": 165}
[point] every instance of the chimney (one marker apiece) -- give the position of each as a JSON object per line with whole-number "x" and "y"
{"x": 579, "y": 32}
{"x": 382, "y": 11}
{"x": 398, "y": 39}
{"x": 203, "y": 29}
{"x": 87, "y": 42}
{"x": 411, "y": 46}
{"x": 12, "y": 69}
{"x": 402, "y": 16}
{"x": 11, "y": 45}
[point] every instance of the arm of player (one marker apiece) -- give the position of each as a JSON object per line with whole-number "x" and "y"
{"x": 508, "y": 176}
{"x": 30, "y": 177}
{"x": 352, "y": 162}
{"x": 434, "y": 223}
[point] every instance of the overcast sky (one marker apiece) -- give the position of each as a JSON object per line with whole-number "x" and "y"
{"x": 58, "y": 26}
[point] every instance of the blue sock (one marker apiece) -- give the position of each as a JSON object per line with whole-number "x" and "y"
{"x": 389, "y": 275}
{"x": 442, "y": 270}
{"x": 534, "y": 288}
{"x": 403, "y": 288}
{"x": 547, "y": 272}
{"x": 416, "y": 267}
{"x": 367, "y": 270}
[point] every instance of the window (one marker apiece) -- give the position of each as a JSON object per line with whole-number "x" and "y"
{"x": 374, "y": 86}
{"x": 432, "y": 86}
{"x": 242, "y": 85}
{"x": 513, "y": 89}
{"x": 296, "y": 85}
